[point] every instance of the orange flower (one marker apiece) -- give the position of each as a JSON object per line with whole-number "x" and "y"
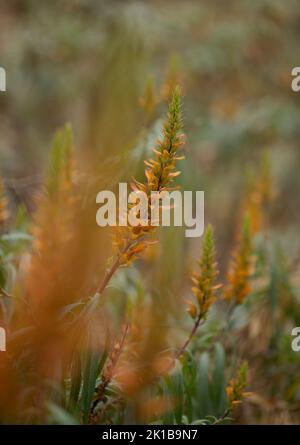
{"x": 241, "y": 269}
{"x": 160, "y": 173}
{"x": 260, "y": 193}
{"x": 236, "y": 388}
{"x": 204, "y": 287}
{"x": 3, "y": 205}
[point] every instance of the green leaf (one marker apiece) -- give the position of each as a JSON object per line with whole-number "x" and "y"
{"x": 203, "y": 403}
{"x": 90, "y": 374}
{"x": 178, "y": 391}
{"x": 92, "y": 366}
{"x": 218, "y": 386}
{"x": 76, "y": 379}
{"x": 168, "y": 417}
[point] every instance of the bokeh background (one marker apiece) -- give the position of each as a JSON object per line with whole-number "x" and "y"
{"x": 106, "y": 67}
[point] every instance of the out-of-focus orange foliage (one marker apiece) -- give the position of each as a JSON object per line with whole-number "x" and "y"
{"x": 3, "y": 205}
{"x": 58, "y": 277}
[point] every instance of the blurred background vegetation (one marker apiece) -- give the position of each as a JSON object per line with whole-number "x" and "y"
{"x": 107, "y": 67}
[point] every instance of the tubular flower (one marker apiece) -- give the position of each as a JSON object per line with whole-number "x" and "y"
{"x": 160, "y": 173}
{"x": 241, "y": 269}
{"x": 204, "y": 287}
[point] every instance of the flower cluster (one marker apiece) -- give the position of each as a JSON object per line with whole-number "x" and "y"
{"x": 260, "y": 193}
{"x": 241, "y": 269}
{"x": 236, "y": 388}
{"x": 204, "y": 281}
{"x": 160, "y": 173}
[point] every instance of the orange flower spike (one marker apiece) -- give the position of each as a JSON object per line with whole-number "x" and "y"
{"x": 167, "y": 148}
{"x": 259, "y": 196}
{"x": 236, "y": 387}
{"x": 159, "y": 173}
{"x": 241, "y": 269}
{"x": 3, "y": 205}
{"x": 204, "y": 287}
{"x": 204, "y": 282}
